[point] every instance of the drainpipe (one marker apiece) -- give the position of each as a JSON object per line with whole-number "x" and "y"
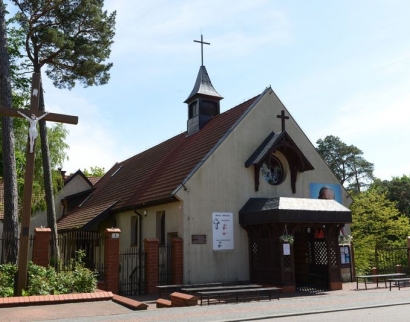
{"x": 139, "y": 249}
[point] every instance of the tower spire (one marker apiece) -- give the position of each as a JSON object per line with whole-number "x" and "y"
{"x": 202, "y": 48}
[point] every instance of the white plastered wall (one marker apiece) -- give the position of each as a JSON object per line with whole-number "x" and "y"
{"x": 173, "y": 222}
{"x": 223, "y": 184}
{"x": 75, "y": 185}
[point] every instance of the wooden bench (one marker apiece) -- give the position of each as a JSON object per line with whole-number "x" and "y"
{"x": 168, "y": 289}
{"x": 219, "y": 288}
{"x": 397, "y": 281}
{"x": 234, "y": 294}
{"x": 377, "y": 277}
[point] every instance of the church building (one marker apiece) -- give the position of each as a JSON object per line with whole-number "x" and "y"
{"x": 244, "y": 189}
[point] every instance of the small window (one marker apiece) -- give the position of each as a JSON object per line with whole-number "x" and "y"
{"x": 193, "y": 109}
{"x": 161, "y": 227}
{"x": 209, "y": 108}
{"x": 116, "y": 171}
{"x": 134, "y": 231}
{"x": 272, "y": 171}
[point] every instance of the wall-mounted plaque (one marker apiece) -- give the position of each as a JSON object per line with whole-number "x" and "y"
{"x": 198, "y": 239}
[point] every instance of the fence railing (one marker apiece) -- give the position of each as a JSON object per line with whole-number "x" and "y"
{"x": 9, "y": 245}
{"x": 92, "y": 243}
{"x": 388, "y": 259}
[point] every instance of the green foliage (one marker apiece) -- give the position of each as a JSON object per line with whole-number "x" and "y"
{"x": 94, "y": 172}
{"x": 7, "y": 273}
{"x": 72, "y": 38}
{"x": 42, "y": 281}
{"x": 397, "y": 190}
{"x": 57, "y": 133}
{"x": 346, "y": 162}
{"x": 376, "y": 221}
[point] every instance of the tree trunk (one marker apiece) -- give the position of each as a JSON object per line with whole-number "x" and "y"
{"x": 11, "y": 224}
{"x": 48, "y": 185}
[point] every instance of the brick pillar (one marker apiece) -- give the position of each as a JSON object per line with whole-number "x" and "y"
{"x": 177, "y": 258}
{"x": 151, "y": 264}
{"x": 112, "y": 259}
{"x": 41, "y": 246}
{"x": 374, "y": 272}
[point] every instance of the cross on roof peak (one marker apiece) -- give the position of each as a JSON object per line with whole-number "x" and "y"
{"x": 283, "y": 117}
{"x": 202, "y": 48}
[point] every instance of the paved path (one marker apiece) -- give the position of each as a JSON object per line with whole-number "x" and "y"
{"x": 347, "y": 299}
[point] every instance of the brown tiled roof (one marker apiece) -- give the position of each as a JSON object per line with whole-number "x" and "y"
{"x": 92, "y": 180}
{"x": 153, "y": 175}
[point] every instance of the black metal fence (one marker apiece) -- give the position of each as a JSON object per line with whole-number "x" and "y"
{"x": 132, "y": 272}
{"x": 9, "y": 244}
{"x": 388, "y": 259}
{"x": 92, "y": 243}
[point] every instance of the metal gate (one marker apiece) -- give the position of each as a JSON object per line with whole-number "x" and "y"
{"x": 165, "y": 267}
{"x": 132, "y": 272}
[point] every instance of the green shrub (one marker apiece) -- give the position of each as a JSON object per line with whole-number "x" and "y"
{"x": 7, "y": 274}
{"x": 43, "y": 281}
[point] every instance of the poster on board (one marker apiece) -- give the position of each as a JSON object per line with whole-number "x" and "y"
{"x": 325, "y": 191}
{"x": 222, "y": 228}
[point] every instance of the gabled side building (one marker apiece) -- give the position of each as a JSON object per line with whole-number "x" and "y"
{"x": 229, "y": 187}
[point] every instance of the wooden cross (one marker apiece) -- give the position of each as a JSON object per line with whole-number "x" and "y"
{"x": 28, "y": 177}
{"x": 202, "y": 48}
{"x": 283, "y": 117}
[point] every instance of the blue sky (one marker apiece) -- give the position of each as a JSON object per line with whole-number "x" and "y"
{"x": 340, "y": 67}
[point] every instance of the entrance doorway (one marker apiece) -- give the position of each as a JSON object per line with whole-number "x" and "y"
{"x": 311, "y": 259}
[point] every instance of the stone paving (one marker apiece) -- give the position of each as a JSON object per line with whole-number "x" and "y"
{"x": 289, "y": 305}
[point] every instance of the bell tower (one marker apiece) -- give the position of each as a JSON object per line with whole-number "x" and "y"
{"x": 203, "y": 102}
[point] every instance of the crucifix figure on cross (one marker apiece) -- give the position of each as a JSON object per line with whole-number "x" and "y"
{"x": 32, "y": 131}
{"x": 36, "y": 115}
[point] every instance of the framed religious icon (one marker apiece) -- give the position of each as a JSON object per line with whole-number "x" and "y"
{"x": 272, "y": 171}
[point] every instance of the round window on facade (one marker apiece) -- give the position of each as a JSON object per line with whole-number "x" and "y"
{"x": 272, "y": 171}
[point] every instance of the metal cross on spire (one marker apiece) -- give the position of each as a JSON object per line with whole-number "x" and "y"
{"x": 35, "y": 116}
{"x": 202, "y": 48}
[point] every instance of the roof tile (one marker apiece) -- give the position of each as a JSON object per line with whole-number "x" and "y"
{"x": 154, "y": 174}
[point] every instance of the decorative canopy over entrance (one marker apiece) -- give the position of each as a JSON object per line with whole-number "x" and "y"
{"x": 281, "y": 142}
{"x": 293, "y": 210}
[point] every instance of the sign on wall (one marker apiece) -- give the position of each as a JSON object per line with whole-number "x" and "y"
{"x": 325, "y": 191}
{"x": 222, "y": 228}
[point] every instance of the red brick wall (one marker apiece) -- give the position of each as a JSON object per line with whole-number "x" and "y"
{"x": 41, "y": 246}
{"x": 151, "y": 265}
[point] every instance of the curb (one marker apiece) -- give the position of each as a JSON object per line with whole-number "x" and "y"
{"x": 315, "y": 312}
{"x": 98, "y": 295}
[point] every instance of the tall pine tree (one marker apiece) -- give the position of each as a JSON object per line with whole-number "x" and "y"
{"x": 8, "y": 155}
{"x": 72, "y": 39}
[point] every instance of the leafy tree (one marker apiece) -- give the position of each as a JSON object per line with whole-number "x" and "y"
{"x": 396, "y": 190}
{"x": 72, "y": 38}
{"x": 57, "y": 133}
{"x": 376, "y": 221}
{"x": 346, "y": 162}
{"x": 8, "y": 157}
{"x": 94, "y": 172}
